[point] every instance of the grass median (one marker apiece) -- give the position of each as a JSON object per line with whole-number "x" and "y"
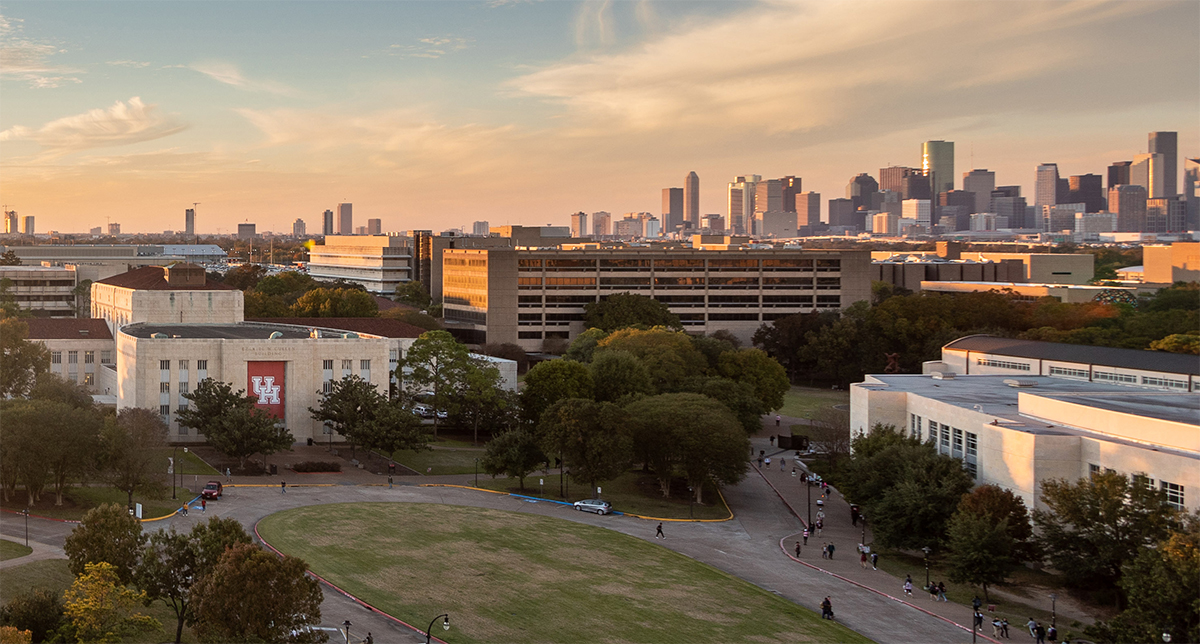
{"x": 803, "y": 402}
{"x": 632, "y": 493}
{"x": 12, "y": 550}
{"x": 510, "y": 577}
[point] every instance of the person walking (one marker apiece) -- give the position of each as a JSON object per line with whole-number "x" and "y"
{"x": 942, "y": 591}
{"x": 228, "y": 475}
{"x": 1004, "y": 627}
{"x": 826, "y": 609}
{"x": 995, "y": 627}
{"x": 908, "y": 586}
{"x": 777, "y": 419}
{"x": 976, "y": 603}
{"x": 658, "y": 533}
{"x": 768, "y": 461}
{"x": 184, "y": 509}
{"x": 782, "y": 463}
{"x": 283, "y": 487}
{"x": 203, "y": 505}
{"x": 831, "y": 549}
{"x": 978, "y": 621}
{"x": 806, "y": 536}
{"x": 1052, "y": 634}
{"x": 862, "y": 560}
{"x": 1039, "y": 634}
{"x": 797, "y": 549}
{"x": 874, "y": 561}
{"x": 1031, "y": 624}
{"x": 932, "y": 592}
{"x": 824, "y": 551}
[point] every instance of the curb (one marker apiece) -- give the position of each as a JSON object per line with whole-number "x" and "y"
{"x": 615, "y": 512}
{"x": 350, "y": 596}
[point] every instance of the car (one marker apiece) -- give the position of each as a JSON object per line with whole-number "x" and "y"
{"x": 212, "y": 490}
{"x": 599, "y": 506}
{"x": 423, "y": 410}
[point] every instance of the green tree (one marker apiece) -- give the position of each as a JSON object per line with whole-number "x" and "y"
{"x": 131, "y": 447}
{"x": 20, "y": 360}
{"x": 621, "y": 310}
{"x": 618, "y": 374}
{"x": 591, "y": 436}
{"x": 1096, "y": 525}
{"x": 670, "y": 356}
{"x": 254, "y": 596}
{"x": 38, "y": 610}
{"x": 76, "y": 437}
{"x": 738, "y": 397}
{"x": 416, "y": 318}
{"x": 349, "y": 407}
{"x": 335, "y": 303}
{"x": 509, "y": 351}
{"x": 483, "y": 403}
{"x": 980, "y": 550}
{"x": 759, "y": 370}
{"x": 712, "y": 348}
{"x": 260, "y": 305}
{"x": 998, "y": 504}
{"x": 83, "y": 299}
{"x": 584, "y": 345}
{"x": 10, "y": 258}
{"x": 514, "y": 454}
{"x": 103, "y": 610}
{"x": 107, "y": 533}
{"x": 413, "y": 293}
{"x": 231, "y": 423}
{"x": 245, "y": 277}
{"x": 393, "y": 427}
{"x": 551, "y": 381}
{"x": 436, "y": 363}
{"x": 50, "y": 387}
{"x": 287, "y": 286}
{"x": 25, "y": 450}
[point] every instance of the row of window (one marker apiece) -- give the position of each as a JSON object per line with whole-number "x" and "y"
{"x": 1174, "y": 491}
{"x": 534, "y": 264}
{"x": 1003, "y": 364}
{"x": 89, "y": 357}
{"x": 951, "y": 441}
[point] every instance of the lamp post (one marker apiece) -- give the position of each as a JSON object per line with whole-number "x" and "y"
{"x": 26, "y": 513}
{"x": 346, "y": 625}
{"x": 1166, "y": 637}
{"x": 808, "y": 481}
{"x": 926, "y": 550}
{"x": 864, "y": 528}
{"x": 1053, "y": 612}
{"x": 691, "y": 498}
{"x": 174, "y": 467}
{"x": 476, "y": 472}
{"x": 445, "y": 617}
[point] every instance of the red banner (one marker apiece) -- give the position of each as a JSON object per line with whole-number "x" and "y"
{"x": 265, "y": 381}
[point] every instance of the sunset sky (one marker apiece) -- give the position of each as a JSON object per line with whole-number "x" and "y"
{"x": 436, "y": 114}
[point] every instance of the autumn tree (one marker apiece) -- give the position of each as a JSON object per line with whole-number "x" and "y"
{"x": 551, "y": 381}
{"x": 252, "y": 595}
{"x": 102, "y": 609}
{"x": 335, "y": 303}
{"x": 38, "y": 611}
{"x": 110, "y": 534}
{"x": 131, "y": 446}
{"x": 20, "y": 360}
{"x": 590, "y": 436}
{"x": 232, "y": 423}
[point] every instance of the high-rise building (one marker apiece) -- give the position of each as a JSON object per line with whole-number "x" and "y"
{"x": 860, "y": 189}
{"x": 790, "y": 188}
{"x": 27, "y": 225}
{"x": 579, "y": 225}
{"x": 741, "y": 202}
{"x": 937, "y": 163}
{"x": 672, "y": 209}
{"x": 189, "y": 221}
{"x": 955, "y": 206}
{"x": 96, "y": 231}
{"x": 327, "y": 225}
{"x": 1118, "y": 173}
{"x": 714, "y": 223}
{"x": 1087, "y": 189}
{"x": 1008, "y": 203}
{"x": 601, "y": 223}
{"x": 909, "y": 183}
{"x": 1167, "y": 144}
{"x": 10, "y": 222}
{"x": 374, "y": 226}
{"x": 1129, "y": 204}
{"x": 768, "y": 196}
{"x": 980, "y": 183}
{"x": 1165, "y": 215}
{"x": 480, "y": 228}
{"x": 1045, "y": 191}
{"x": 841, "y": 213}
{"x": 345, "y": 219}
{"x": 1149, "y": 172}
{"x": 808, "y": 210}
{"x": 1060, "y": 217}
{"x": 247, "y": 231}
{"x": 299, "y": 228}
{"x": 920, "y": 211}
{"x": 113, "y": 228}
{"x": 691, "y": 199}
{"x": 1191, "y": 192}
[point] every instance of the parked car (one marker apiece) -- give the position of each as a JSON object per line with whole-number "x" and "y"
{"x": 423, "y": 410}
{"x": 599, "y": 506}
{"x": 212, "y": 490}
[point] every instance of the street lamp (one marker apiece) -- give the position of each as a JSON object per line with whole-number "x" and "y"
{"x": 476, "y": 472}
{"x": 808, "y": 480}
{"x": 1053, "y": 613}
{"x": 346, "y": 625}
{"x": 445, "y": 617}
{"x": 1166, "y": 636}
{"x": 691, "y": 498}
{"x": 864, "y": 528}
{"x": 926, "y": 550}
{"x": 26, "y": 513}
{"x": 176, "y": 469}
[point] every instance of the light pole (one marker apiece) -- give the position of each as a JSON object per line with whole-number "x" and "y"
{"x": 926, "y": 550}
{"x": 691, "y": 498}
{"x": 26, "y": 513}
{"x": 808, "y": 481}
{"x": 346, "y": 625}
{"x": 476, "y": 472}
{"x": 445, "y": 626}
{"x": 864, "y": 529}
{"x": 1053, "y": 612}
{"x": 174, "y": 467}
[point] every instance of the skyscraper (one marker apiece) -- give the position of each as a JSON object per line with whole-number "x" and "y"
{"x": 345, "y": 219}
{"x": 1045, "y": 191}
{"x": 1087, "y": 189}
{"x": 841, "y": 213}
{"x": 1191, "y": 192}
{"x": 791, "y": 188}
{"x": 601, "y": 223}
{"x": 955, "y": 206}
{"x": 27, "y": 225}
{"x": 10, "y": 222}
{"x": 1167, "y": 144}
{"x": 1164, "y": 215}
{"x": 1007, "y": 202}
{"x": 981, "y": 183}
{"x": 579, "y": 225}
{"x": 741, "y": 202}
{"x": 1149, "y": 172}
{"x": 374, "y": 226}
{"x": 327, "y": 225}
{"x": 480, "y": 228}
{"x": 860, "y": 189}
{"x": 1118, "y": 173}
{"x": 189, "y": 221}
{"x": 808, "y": 209}
{"x": 1129, "y": 204}
{"x": 937, "y": 163}
{"x": 299, "y": 228}
{"x": 114, "y": 228}
{"x": 691, "y": 199}
{"x": 909, "y": 183}
{"x": 672, "y": 209}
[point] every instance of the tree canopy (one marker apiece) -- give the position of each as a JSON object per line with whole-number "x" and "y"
{"x": 335, "y": 303}
{"x": 107, "y": 533}
{"x": 551, "y": 381}
{"x": 20, "y": 360}
{"x": 591, "y": 437}
{"x": 131, "y": 447}
{"x": 231, "y": 423}
{"x": 438, "y": 364}
{"x": 621, "y": 310}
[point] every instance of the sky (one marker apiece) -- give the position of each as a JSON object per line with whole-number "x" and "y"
{"x": 432, "y": 115}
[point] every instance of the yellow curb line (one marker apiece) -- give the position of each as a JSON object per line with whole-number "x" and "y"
{"x": 462, "y": 487}
{"x": 639, "y": 516}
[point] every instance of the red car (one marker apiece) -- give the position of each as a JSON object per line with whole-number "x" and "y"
{"x": 212, "y": 490}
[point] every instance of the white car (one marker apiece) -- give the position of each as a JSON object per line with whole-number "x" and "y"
{"x": 599, "y": 506}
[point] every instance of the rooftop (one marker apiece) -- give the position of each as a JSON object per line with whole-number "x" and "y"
{"x": 386, "y": 327}
{"x": 1085, "y": 354}
{"x": 154, "y": 278}
{"x": 68, "y": 329}
{"x": 217, "y": 331}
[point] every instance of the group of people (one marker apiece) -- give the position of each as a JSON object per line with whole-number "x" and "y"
{"x": 865, "y": 555}
{"x": 937, "y": 592}
{"x": 1041, "y": 634}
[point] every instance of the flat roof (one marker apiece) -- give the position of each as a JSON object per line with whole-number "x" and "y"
{"x": 1160, "y": 361}
{"x": 386, "y": 327}
{"x": 242, "y": 331}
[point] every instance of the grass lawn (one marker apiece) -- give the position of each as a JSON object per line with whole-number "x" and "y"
{"x": 633, "y": 492}
{"x": 443, "y": 459}
{"x": 189, "y": 463}
{"x": 508, "y": 577}
{"x": 802, "y": 402}
{"x": 12, "y": 550}
{"x": 78, "y": 500}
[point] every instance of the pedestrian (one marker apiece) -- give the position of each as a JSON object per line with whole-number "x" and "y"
{"x": 976, "y": 602}
{"x": 1052, "y": 634}
{"x": 820, "y": 526}
{"x": 797, "y": 549}
{"x": 942, "y": 591}
{"x": 782, "y": 464}
{"x": 183, "y": 510}
{"x": 831, "y": 549}
{"x": 932, "y": 592}
{"x": 369, "y": 640}
{"x": 862, "y": 560}
{"x": 389, "y": 482}
{"x": 1031, "y": 624}
{"x": 1039, "y": 634}
{"x": 777, "y": 419}
{"x": 978, "y": 621}
{"x": 908, "y": 586}
{"x": 768, "y": 459}
{"x": 283, "y": 487}
{"x": 806, "y": 536}
{"x": 874, "y": 561}
{"x": 995, "y": 627}
{"x": 228, "y": 475}
{"x": 760, "y": 460}
{"x": 203, "y": 505}
{"x": 1004, "y": 627}
{"x": 826, "y": 609}
{"x": 658, "y": 533}
{"x": 824, "y": 551}
{"x": 772, "y": 440}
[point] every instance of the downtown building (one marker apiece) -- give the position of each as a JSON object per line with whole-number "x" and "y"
{"x": 528, "y": 296}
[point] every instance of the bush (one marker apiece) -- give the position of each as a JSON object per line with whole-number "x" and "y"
{"x": 317, "y": 466}
{"x": 38, "y": 610}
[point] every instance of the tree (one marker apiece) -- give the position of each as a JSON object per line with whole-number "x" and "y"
{"x": 1096, "y": 525}
{"x": 618, "y": 374}
{"x": 482, "y": 402}
{"x": 759, "y": 370}
{"x": 76, "y": 437}
{"x": 584, "y": 345}
{"x": 669, "y": 355}
{"x": 38, "y": 611}
{"x": 335, "y": 303}
{"x": 738, "y": 397}
{"x": 514, "y": 454}
{"x": 1178, "y": 343}
{"x": 10, "y": 258}
{"x": 413, "y": 317}
{"x": 349, "y": 407}
{"x": 621, "y": 310}
{"x": 589, "y": 435}
{"x": 20, "y": 360}
{"x": 998, "y": 504}
{"x": 413, "y": 293}
{"x": 287, "y": 286}
{"x": 50, "y": 387}
{"x": 509, "y": 351}
{"x": 231, "y": 423}
{"x": 652, "y": 426}
{"x": 260, "y": 305}
{"x": 107, "y": 533}
{"x": 83, "y": 299}
{"x": 252, "y": 595}
{"x": 103, "y": 610}
{"x": 437, "y": 363}
{"x": 246, "y": 276}
{"x": 712, "y": 348}
{"x": 551, "y": 381}
{"x": 980, "y": 550}
{"x": 130, "y": 448}
{"x": 393, "y": 427}
{"x": 784, "y": 339}
{"x": 25, "y": 449}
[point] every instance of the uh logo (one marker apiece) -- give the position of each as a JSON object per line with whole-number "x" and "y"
{"x": 266, "y": 390}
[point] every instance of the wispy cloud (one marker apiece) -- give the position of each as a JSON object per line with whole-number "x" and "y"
{"x": 432, "y": 47}
{"x": 121, "y": 124}
{"x": 26, "y": 59}
{"x": 594, "y": 24}
{"x": 230, "y": 74}
{"x": 128, "y": 63}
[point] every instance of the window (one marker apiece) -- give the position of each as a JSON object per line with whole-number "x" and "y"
{"x": 327, "y": 365}
{"x": 529, "y": 335}
{"x": 915, "y": 426}
{"x": 202, "y": 365}
{"x": 72, "y": 357}
{"x": 1164, "y": 382}
{"x": 183, "y": 431}
{"x": 327, "y": 387}
{"x": 1143, "y": 480}
{"x": 364, "y": 365}
{"x": 164, "y": 387}
{"x": 1108, "y": 376}
{"x": 183, "y": 365}
{"x": 945, "y": 439}
{"x": 1093, "y": 469}
{"x": 165, "y": 412}
{"x": 1069, "y": 373}
{"x": 1174, "y": 495}
{"x": 56, "y": 357}
{"x": 106, "y": 357}
{"x": 972, "y": 447}
{"x": 164, "y": 365}
{"x": 1003, "y": 364}
{"x": 958, "y": 443}
{"x": 89, "y": 379}
{"x": 89, "y": 357}
{"x": 183, "y": 388}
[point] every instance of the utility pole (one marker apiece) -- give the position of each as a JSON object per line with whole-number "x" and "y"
{"x": 195, "y": 235}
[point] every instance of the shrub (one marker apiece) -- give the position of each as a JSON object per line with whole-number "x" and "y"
{"x": 317, "y": 466}
{"x": 38, "y": 610}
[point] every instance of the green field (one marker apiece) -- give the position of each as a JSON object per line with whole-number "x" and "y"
{"x": 12, "y": 550}
{"x": 442, "y": 460}
{"x": 78, "y": 500}
{"x": 803, "y": 402}
{"x": 633, "y": 493}
{"x": 508, "y": 577}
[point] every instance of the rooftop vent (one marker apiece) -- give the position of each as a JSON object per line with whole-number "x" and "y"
{"x": 943, "y": 375}
{"x": 162, "y": 336}
{"x": 83, "y": 332}
{"x": 275, "y": 335}
{"x": 1015, "y": 382}
{"x": 350, "y": 336}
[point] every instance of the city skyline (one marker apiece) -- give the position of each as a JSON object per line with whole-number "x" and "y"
{"x": 434, "y": 115}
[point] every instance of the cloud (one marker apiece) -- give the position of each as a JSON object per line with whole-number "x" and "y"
{"x": 128, "y": 63}
{"x": 594, "y": 24}
{"x": 25, "y": 59}
{"x": 433, "y": 47}
{"x": 229, "y": 74}
{"x": 121, "y": 124}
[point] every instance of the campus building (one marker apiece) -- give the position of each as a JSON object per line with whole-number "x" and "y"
{"x": 43, "y": 291}
{"x": 1020, "y": 412}
{"x": 528, "y": 296}
{"x": 379, "y": 263}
